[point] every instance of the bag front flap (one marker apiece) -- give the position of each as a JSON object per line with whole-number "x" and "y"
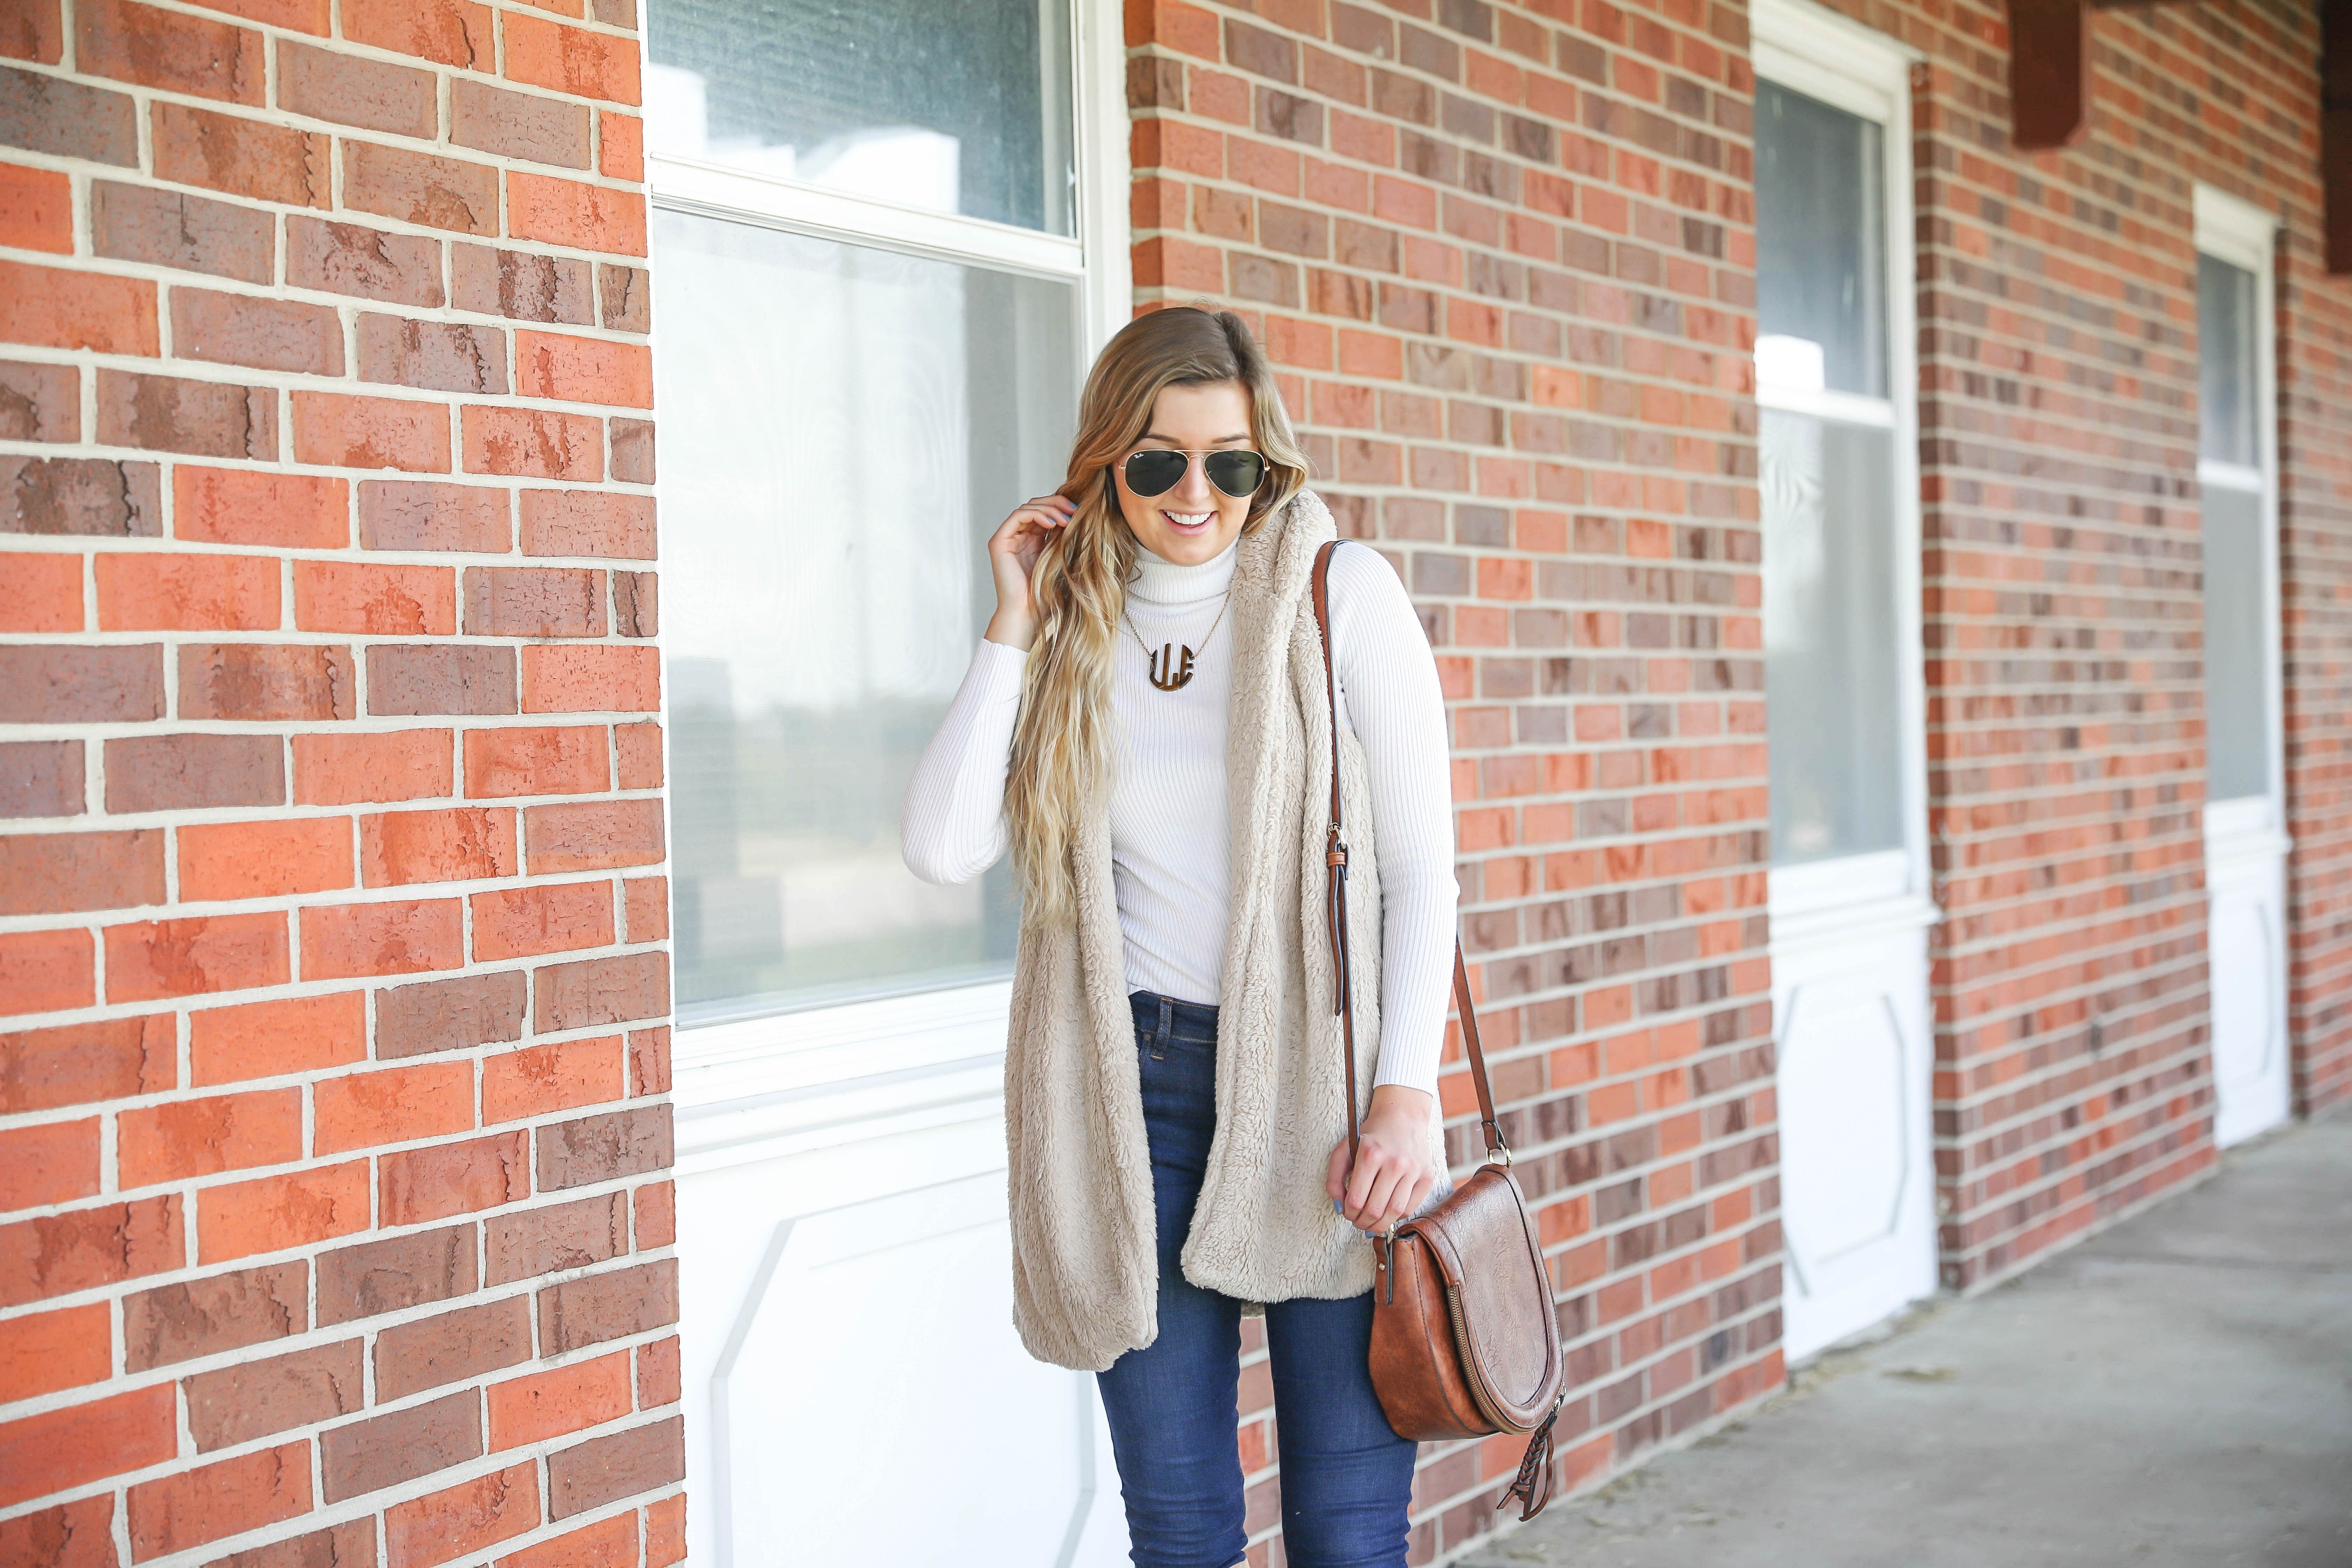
{"x": 1485, "y": 1244}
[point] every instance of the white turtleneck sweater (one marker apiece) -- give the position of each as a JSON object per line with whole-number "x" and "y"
{"x": 1169, "y": 833}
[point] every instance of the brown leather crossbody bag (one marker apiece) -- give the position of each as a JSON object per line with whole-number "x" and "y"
{"x": 1465, "y": 1343}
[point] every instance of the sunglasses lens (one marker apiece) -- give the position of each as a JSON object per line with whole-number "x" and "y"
{"x": 1237, "y": 474}
{"x": 1155, "y": 472}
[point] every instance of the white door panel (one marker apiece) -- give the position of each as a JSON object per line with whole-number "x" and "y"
{"x": 2246, "y": 975}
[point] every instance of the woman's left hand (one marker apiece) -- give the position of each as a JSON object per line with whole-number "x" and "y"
{"x": 1394, "y": 1172}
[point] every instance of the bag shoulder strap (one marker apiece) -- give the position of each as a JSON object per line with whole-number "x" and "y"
{"x": 1335, "y": 860}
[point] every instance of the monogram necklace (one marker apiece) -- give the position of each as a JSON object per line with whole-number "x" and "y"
{"x": 1169, "y": 672}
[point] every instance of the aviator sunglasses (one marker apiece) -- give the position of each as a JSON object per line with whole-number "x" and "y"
{"x": 1156, "y": 471}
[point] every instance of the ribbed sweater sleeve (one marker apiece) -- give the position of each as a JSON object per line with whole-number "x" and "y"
{"x": 1390, "y": 695}
{"x": 951, "y": 827}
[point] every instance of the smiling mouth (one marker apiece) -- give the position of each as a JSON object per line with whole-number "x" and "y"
{"x": 1188, "y": 521}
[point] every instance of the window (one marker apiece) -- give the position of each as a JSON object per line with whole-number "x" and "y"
{"x": 876, "y": 298}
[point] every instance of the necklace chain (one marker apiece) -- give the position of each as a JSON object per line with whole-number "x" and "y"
{"x": 1170, "y": 680}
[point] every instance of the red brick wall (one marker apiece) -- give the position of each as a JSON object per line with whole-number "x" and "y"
{"x": 332, "y": 1073}
{"x": 1504, "y": 258}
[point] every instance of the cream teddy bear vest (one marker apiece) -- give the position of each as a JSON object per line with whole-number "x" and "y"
{"x": 1086, "y": 1272}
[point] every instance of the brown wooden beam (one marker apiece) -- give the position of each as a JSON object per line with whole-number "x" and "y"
{"x": 2336, "y": 130}
{"x": 2050, "y": 72}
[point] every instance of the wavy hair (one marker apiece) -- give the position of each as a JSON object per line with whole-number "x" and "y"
{"x": 1062, "y": 755}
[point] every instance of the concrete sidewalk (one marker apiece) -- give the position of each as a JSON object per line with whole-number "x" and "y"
{"x": 2175, "y": 1394}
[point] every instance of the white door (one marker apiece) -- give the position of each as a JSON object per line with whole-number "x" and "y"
{"x": 880, "y": 273}
{"x": 1849, "y": 890}
{"x": 2245, "y": 805}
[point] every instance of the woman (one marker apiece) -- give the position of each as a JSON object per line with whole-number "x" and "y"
{"x": 1145, "y": 726}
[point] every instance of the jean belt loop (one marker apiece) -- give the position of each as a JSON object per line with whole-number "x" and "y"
{"x": 1167, "y": 1016}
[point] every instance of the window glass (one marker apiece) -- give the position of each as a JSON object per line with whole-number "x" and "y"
{"x": 2237, "y": 647}
{"x": 960, "y": 107}
{"x": 1821, "y": 246}
{"x": 842, "y": 427}
{"x": 1832, "y": 649}
{"x": 2225, "y": 363}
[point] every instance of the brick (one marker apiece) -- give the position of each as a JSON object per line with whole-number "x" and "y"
{"x": 613, "y": 1305}
{"x": 575, "y": 215}
{"x": 82, "y": 1249}
{"x": 524, "y": 923}
{"x": 69, "y": 119}
{"x": 230, "y": 1311}
{"x": 532, "y": 444}
{"x": 446, "y": 32}
{"x": 570, "y": 760}
{"x": 36, "y": 209}
{"x": 39, "y": 402}
{"x": 44, "y": 1352}
{"x": 454, "y": 1347}
{"x": 656, "y": 1205}
{"x": 419, "y": 188}
{"x": 620, "y": 146}
{"x": 592, "y": 836}
{"x": 45, "y": 594}
{"x": 302, "y": 15}
{"x": 449, "y": 1015}
{"x": 416, "y": 1186}
{"x": 57, "y": 308}
{"x": 584, "y": 370}
{"x": 261, "y": 1398}
{"x": 46, "y": 972}
{"x": 240, "y": 157}
{"x": 558, "y": 1402}
{"x": 173, "y": 414}
{"x": 267, "y": 334}
{"x": 82, "y": 1064}
{"x": 210, "y": 1502}
{"x": 183, "y": 773}
{"x": 556, "y": 1238}
{"x": 378, "y": 599}
{"x": 471, "y": 1516}
{"x": 350, "y": 1544}
{"x": 449, "y": 845}
{"x": 639, "y": 749}
{"x": 41, "y": 778}
{"x": 265, "y": 859}
{"x": 444, "y": 356}
{"x": 51, "y": 873}
{"x": 47, "y": 1162}
{"x": 416, "y": 514}
{"x": 338, "y": 431}
{"x": 195, "y": 955}
{"x": 174, "y": 228}
{"x": 637, "y": 603}
{"x": 349, "y": 89}
{"x": 33, "y": 30}
{"x": 520, "y": 284}
{"x": 264, "y": 1039}
{"x": 666, "y": 1533}
{"x": 94, "y": 497}
{"x": 646, "y": 901}
{"x": 605, "y": 1470}
{"x": 391, "y": 1105}
{"x": 632, "y": 458}
{"x": 433, "y": 679}
{"x": 259, "y": 683}
{"x": 273, "y": 1213}
{"x": 587, "y": 523}
{"x": 243, "y": 506}
{"x": 187, "y": 592}
{"x": 58, "y": 1450}
{"x": 601, "y": 1148}
{"x": 541, "y": 1080}
{"x": 570, "y": 59}
{"x": 349, "y": 258}
{"x": 204, "y": 1137}
{"x": 592, "y": 678}
{"x": 346, "y": 770}
{"x": 534, "y": 601}
{"x": 659, "y": 1375}
{"x": 406, "y": 937}
{"x": 518, "y": 125}
{"x": 395, "y": 1273}
{"x": 170, "y": 49}
{"x": 625, "y": 298}
{"x": 608, "y": 1540}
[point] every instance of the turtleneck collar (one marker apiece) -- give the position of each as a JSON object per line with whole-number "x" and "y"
{"x": 1159, "y": 581}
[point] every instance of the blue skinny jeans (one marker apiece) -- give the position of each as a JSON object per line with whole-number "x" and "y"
{"x": 1347, "y": 1477}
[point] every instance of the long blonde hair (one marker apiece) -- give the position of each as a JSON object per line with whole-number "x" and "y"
{"x": 1062, "y": 760}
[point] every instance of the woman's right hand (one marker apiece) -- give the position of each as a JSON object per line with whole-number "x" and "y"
{"x": 1012, "y": 552}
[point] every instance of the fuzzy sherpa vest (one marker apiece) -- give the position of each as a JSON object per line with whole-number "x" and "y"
{"x": 1086, "y": 1271}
